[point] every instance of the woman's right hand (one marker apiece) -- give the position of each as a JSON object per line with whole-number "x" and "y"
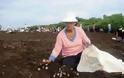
{"x": 46, "y": 61}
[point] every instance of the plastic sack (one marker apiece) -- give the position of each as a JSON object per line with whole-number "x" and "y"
{"x": 93, "y": 59}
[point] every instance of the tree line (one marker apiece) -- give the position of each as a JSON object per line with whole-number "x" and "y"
{"x": 115, "y": 20}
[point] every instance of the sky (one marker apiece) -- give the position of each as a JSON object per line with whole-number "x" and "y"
{"x": 17, "y": 13}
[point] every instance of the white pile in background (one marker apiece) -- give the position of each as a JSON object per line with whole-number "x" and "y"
{"x": 93, "y": 59}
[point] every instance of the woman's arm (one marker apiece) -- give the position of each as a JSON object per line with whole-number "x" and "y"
{"x": 57, "y": 49}
{"x": 85, "y": 39}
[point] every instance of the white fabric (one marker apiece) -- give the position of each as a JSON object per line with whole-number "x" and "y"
{"x": 93, "y": 59}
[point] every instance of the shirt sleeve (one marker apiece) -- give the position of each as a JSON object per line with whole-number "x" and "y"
{"x": 86, "y": 41}
{"x": 57, "y": 48}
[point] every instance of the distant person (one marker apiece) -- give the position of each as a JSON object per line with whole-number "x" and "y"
{"x": 119, "y": 35}
{"x": 88, "y": 28}
{"x": 123, "y": 35}
{"x": 109, "y": 28}
{"x": 70, "y": 42}
{"x": 94, "y": 27}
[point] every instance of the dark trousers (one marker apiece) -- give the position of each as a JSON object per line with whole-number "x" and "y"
{"x": 122, "y": 35}
{"x": 72, "y": 61}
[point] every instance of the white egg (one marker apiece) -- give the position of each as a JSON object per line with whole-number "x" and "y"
{"x": 46, "y": 64}
{"x": 43, "y": 67}
{"x": 64, "y": 73}
{"x": 54, "y": 75}
{"x": 43, "y": 60}
{"x": 77, "y": 74}
{"x": 38, "y": 69}
{"x": 46, "y": 68}
{"x": 57, "y": 74}
{"x": 60, "y": 75}
{"x": 68, "y": 75}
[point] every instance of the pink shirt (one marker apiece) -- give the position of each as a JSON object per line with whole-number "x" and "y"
{"x": 68, "y": 47}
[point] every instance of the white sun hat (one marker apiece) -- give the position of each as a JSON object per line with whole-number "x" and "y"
{"x": 70, "y": 18}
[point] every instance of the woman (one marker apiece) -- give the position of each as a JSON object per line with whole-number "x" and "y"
{"x": 71, "y": 41}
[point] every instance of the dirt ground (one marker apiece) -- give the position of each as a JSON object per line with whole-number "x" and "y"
{"x": 20, "y": 54}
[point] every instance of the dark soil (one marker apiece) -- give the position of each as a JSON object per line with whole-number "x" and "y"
{"x": 20, "y": 54}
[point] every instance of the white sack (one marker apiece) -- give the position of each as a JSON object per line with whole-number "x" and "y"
{"x": 93, "y": 59}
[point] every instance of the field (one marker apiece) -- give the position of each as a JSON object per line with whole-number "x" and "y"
{"x": 20, "y": 54}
